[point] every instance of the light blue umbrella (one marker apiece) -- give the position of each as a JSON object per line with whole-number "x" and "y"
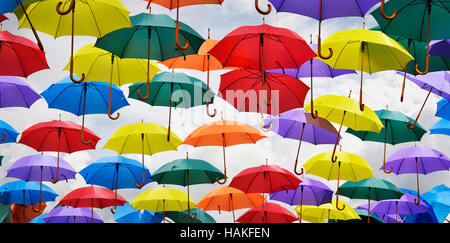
{"x": 443, "y": 109}
{"x": 441, "y": 127}
{"x": 127, "y": 214}
{"x": 23, "y": 192}
{"x": 7, "y": 133}
{"x": 439, "y": 198}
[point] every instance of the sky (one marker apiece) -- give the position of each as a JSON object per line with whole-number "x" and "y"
{"x": 380, "y": 89}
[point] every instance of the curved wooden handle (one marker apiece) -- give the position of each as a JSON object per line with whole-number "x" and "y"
{"x": 189, "y": 213}
{"x": 177, "y": 38}
{"x": 262, "y": 125}
{"x": 147, "y": 90}
{"x": 143, "y": 167}
{"x": 207, "y": 110}
{"x": 319, "y": 51}
{"x": 269, "y": 8}
{"x": 67, "y": 11}
{"x": 82, "y": 137}
{"x": 3, "y": 138}
{"x": 384, "y": 15}
{"x": 113, "y": 209}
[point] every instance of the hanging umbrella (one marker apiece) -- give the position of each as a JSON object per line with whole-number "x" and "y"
{"x": 424, "y": 26}
{"x": 370, "y": 189}
{"x": 328, "y": 211}
{"x": 186, "y": 172}
{"x": 374, "y": 48}
{"x": 127, "y": 214}
{"x": 115, "y": 172}
{"x": 297, "y": 124}
{"x": 151, "y": 37}
{"x": 167, "y": 87}
{"x": 308, "y": 192}
{"x": 21, "y": 213}
{"x": 20, "y": 56}
{"x": 418, "y": 160}
{"x": 394, "y": 131}
{"x": 162, "y": 199}
{"x": 142, "y": 138}
{"x": 403, "y": 206}
{"x": 345, "y": 111}
{"x": 57, "y": 136}
{"x": 5, "y": 213}
{"x": 100, "y": 65}
{"x": 425, "y": 217}
{"x": 184, "y": 217}
{"x": 68, "y": 214}
{"x": 223, "y": 133}
{"x": 438, "y": 197}
{"x": 40, "y": 168}
{"x": 9, "y": 134}
{"x": 15, "y": 92}
{"x": 365, "y": 218}
{"x": 83, "y": 98}
{"x": 437, "y": 83}
{"x": 83, "y": 21}
{"x": 26, "y": 192}
{"x": 272, "y": 213}
{"x": 2, "y": 18}
{"x": 229, "y": 199}
{"x": 440, "y": 48}
{"x": 441, "y": 127}
{"x": 350, "y": 167}
{"x": 443, "y": 109}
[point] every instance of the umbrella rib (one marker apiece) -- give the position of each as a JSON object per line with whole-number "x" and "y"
{"x": 104, "y": 98}
{"x": 24, "y": 99}
{"x": 10, "y": 45}
{"x": 342, "y": 50}
{"x": 95, "y": 20}
{"x": 160, "y": 46}
{"x": 232, "y": 49}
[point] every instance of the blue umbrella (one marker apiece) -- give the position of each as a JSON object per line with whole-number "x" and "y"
{"x": 23, "y": 192}
{"x": 441, "y": 127}
{"x": 439, "y": 198}
{"x": 7, "y": 133}
{"x": 127, "y": 214}
{"x": 425, "y": 217}
{"x": 115, "y": 172}
{"x": 84, "y": 98}
{"x": 443, "y": 109}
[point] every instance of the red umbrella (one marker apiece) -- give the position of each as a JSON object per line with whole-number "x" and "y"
{"x": 2, "y": 18}
{"x": 20, "y": 56}
{"x": 58, "y": 136}
{"x": 273, "y": 213}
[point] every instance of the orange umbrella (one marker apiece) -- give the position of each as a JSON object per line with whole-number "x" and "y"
{"x": 223, "y": 133}
{"x": 229, "y": 199}
{"x": 24, "y": 213}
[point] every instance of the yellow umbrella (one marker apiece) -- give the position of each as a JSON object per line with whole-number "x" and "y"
{"x": 327, "y": 211}
{"x": 92, "y": 18}
{"x": 369, "y": 51}
{"x": 350, "y": 167}
{"x": 100, "y": 65}
{"x": 142, "y": 138}
{"x": 163, "y": 199}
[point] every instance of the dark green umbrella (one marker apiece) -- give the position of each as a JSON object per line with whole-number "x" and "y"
{"x": 151, "y": 37}
{"x": 5, "y": 213}
{"x": 394, "y": 132}
{"x": 172, "y": 89}
{"x": 363, "y": 214}
{"x": 370, "y": 189}
{"x": 182, "y": 217}
{"x": 186, "y": 172}
{"x": 1, "y": 159}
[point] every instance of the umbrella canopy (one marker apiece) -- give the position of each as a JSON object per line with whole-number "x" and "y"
{"x": 440, "y": 48}
{"x": 183, "y": 217}
{"x": 26, "y": 192}
{"x": 15, "y": 92}
{"x": 441, "y": 127}
{"x": 93, "y": 197}
{"x": 127, "y": 214}
{"x": 405, "y": 206}
{"x": 365, "y": 218}
{"x": 9, "y": 134}
{"x": 267, "y": 213}
{"x": 443, "y": 109}
{"x": 3, "y": 18}
{"x": 24, "y": 213}
{"x": 439, "y": 197}
{"x": 424, "y": 217}
{"x": 328, "y": 211}
{"x": 67, "y": 214}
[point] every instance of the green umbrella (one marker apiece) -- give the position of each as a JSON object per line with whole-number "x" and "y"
{"x": 5, "y": 213}
{"x": 1, "y": 159}
{"x": 151, "y": 37}
{"x": 182, "y": 217}
{"x": 185, "y": 172}
{"x": 363, "y": 214}
{"x": 394, "y": 131}
{"x": 166, "y": 87}
{"x": 371, "y": 189}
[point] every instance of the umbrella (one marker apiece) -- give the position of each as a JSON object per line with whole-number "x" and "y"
{"x": 162, "y": 199}
{"x": 440, "y": 48}
{"x": 374, "y": 48}
{"x": 127, "y": 214}
{"x": 93, "y": 197}
{"x": 272, "y": 213}
{"x": 424, "y": 26}
{"x": 57, "y": 136}
{"x": 393, "y": 132}
{"x": 425, "y": 217}
{"x": 436, "y": 82}
{"x": 308, "y": 192}
{"x": 2, "y": 18}
{"x": 151, "y": 37}
{"x": 441, "y": 127}
{"x": 83, "y": 21}
{"x": 142, "y": 138}
{"x": 345, "y": 111}
{"x": 40, "y": 168}
{"x": 83, "y": 98}
{"x": 418, "y": 160}
{"x": 229, "y": 199}
{"x": 370, "y": 189}
{"x": 169, "y": 4}
{"x": 20, "y": 56}
{"x": 21, "y": 213}
{"x": 438, "y": 197}
{"x": 9, "y": 134}
{"x": 15, "y": 92}
{"x": 223, "y": 133}
{"x": 297, "y": 124}
{"x": 1, "y": 159}
{"x": 443, "y": 109}
{"x": 167, "y": 87}
{"x": 68, "y": 214}
{"x": 100, "y": 65}
{"x": 364, "y": 215}
{"x": 114, "y": 172}
{"x": 328, "y": 211}
{"x": 185, "y": 172}
{"x": 405, "y": 205}
{"x": 350, "y": 167}
{"x": 26, "y": 192}
{"x": 184, "y": 216}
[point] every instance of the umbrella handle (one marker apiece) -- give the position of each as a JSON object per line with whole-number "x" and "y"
{"x": 427, "y": 60}
{"x": 113, "y": 209}
{"x": 269, "y": 8}
{"x": 337, "y": 190}
{"x": 298, "y": 152}
{"x": 262, "y": 125}
{"x": 207, "y": 89}
{"x": 82, "y": 126}
{"x": 319, "y": 50}
{"x": 333, "y": 157}
{"x": 147, "y": 90}
{"x": 177, "y": 38}
{"x": 314, "y": 113}
{"x": 143, "y": 167}
{"x": 384, "y": 157}
{"x": 417, "y": 200}
{"x": 207, "y": 110}
{"x": 418, "y": 115}
{"x": 82, "y": 138}
{"x": 224, "y": 164}
{"x": 3, "y": 138}
{"x": 67, "y": 11}
{"x": 384, "y": 15}
{"x": 404, "y": 74}
{"x": 110, "y": 91}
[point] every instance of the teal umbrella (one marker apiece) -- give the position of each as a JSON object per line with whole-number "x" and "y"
{"x": 183, "y": 217}
{"x": 151, "y": 37}
{"x": 5, "y": 213}
{"x": 172, "y": 89}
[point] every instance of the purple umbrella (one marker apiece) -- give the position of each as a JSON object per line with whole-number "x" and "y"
{"x": 15, "y": 92}
{"x": 440, "y": 48}
{"x": 300, "y": 125}
{"x": 419, "y": 160}
{"x": 387, "y": 218}
{"x": 68, "y": 214}
{"x": 308, "y": 192}
{"x": 405, "y": 205}
{"x": 436, "y": 82}
{"x": 40, "y": 168}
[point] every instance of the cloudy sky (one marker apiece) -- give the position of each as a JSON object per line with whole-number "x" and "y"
{"x": 380, "y": 89}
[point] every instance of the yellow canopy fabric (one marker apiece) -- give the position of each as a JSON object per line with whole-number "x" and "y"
{"x": 162, "y": 199}
{"x": 327, "y": 211}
